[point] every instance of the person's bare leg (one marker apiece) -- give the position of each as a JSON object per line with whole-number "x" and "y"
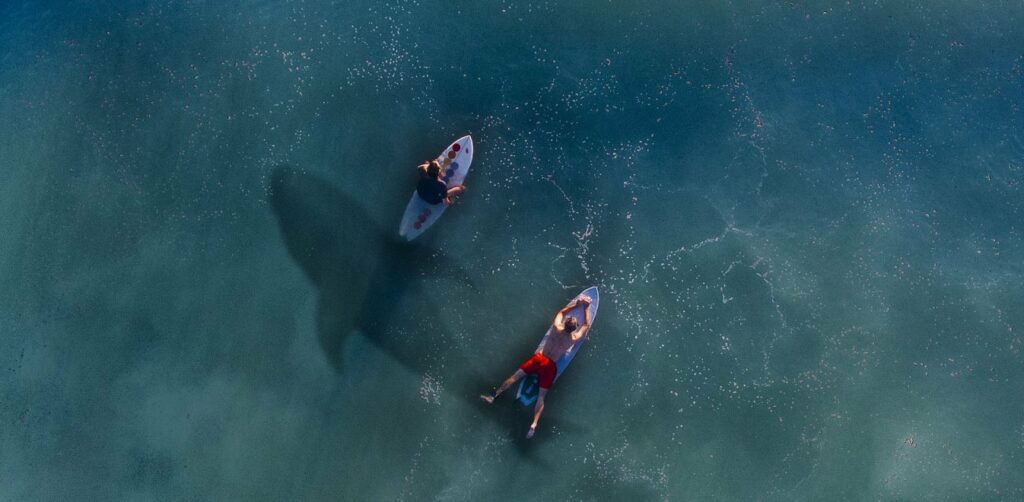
{"x": 452, "y": 192}
{"x": 504, "y": 386}
{"x": 537, "y": 410}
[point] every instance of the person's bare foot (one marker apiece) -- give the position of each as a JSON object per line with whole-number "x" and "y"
{"x": 489, "y": 399}
{"x": 531, "y": 432}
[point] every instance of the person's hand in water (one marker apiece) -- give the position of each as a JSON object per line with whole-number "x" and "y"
{"x": 488, "y": 398}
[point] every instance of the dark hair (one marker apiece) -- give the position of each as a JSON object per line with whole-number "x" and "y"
{"x": 570, "y": 323}
{"x": 434, "y": 169}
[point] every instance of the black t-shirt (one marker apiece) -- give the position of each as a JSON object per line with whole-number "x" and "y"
{"x": 431, "y": 190}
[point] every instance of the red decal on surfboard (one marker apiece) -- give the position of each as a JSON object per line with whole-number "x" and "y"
{"x": 451, "y": 155}
{"x": 456, "y": 147}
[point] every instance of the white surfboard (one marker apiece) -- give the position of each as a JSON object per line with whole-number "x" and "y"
{"x": 420, "y": 215}
{"x": 528, "y": 386}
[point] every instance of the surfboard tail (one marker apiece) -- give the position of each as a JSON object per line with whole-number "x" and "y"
{"x": 528, "y": 390}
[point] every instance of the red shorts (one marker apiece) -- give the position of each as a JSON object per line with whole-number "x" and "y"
{"x": 544, "y": 368}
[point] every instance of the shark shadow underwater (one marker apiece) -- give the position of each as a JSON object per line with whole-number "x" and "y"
{"x": 366, "y": 278}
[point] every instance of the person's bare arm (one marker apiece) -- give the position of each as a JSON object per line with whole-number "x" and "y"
{"x": 582, "y": 331}
{"x": 560, "y": 316}
{"x": 422, "y": 168}
{"x": 559, "y": 323}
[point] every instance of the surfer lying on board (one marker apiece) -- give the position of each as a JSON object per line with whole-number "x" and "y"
{"x": 565, "y": 332}
{"x": 431, "y": 188}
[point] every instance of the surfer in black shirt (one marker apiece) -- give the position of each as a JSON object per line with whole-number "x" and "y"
{"x": 431, "y": 188}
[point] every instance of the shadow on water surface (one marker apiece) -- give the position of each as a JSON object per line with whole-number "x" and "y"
{"x": 371, "y": 282}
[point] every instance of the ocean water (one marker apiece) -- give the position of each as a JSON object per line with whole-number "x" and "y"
{"x": 804, "y": 219}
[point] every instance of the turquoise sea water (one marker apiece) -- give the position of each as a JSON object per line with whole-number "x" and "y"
{"x": 804, "y": 218}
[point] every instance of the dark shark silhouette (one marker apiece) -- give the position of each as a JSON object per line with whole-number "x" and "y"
{"x": 364, "y": 275}
{"x": 329, "y": 235}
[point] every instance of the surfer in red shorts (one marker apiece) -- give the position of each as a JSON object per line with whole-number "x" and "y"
{"x": 565, "y": 331}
